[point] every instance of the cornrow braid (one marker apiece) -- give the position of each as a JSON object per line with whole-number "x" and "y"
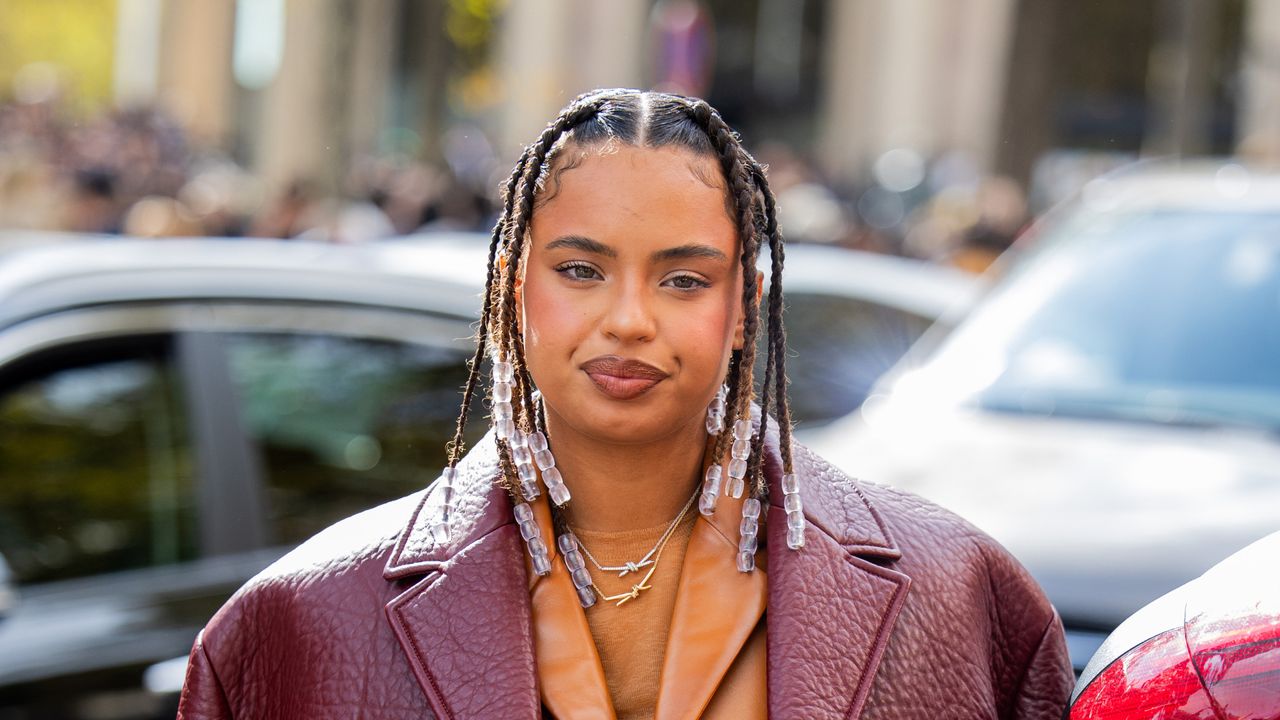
{"x": 777, "y": 332}
{"x": 735, "y": 164}
{"x": 500, "y": 311}
{"x": 766, "y": 386}
{"x": 456, "y": 445}
{"x": 521, "y": 212}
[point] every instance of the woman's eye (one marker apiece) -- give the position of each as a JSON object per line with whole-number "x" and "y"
{"x": 578, "y": 271}
{"x": 688, "y": 282}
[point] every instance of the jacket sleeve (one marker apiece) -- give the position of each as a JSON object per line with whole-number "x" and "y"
{"x": 1048, "y": 678}
{"x": 1031, "y": 668}
{"x": 202, "y": 695}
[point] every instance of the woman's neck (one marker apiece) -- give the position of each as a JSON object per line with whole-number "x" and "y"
{"x": 627, "y": 487}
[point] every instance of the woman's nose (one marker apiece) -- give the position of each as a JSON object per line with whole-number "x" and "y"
{"x": 630, "y": 317}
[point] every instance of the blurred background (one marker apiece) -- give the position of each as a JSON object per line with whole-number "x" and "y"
{"x": 1033, "y": 274}
{"x": 918, "y": 128}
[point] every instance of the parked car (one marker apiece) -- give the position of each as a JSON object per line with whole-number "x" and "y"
{"x": 1110, "y": 411}
{"x": 1210, "y": 649}
{"x": 851, "y": 315}
{"x": 175, "y": 415}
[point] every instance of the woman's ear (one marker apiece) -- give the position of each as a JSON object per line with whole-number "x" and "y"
{"x": 740, "y": 330}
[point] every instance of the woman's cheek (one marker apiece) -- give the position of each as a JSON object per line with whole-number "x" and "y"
{"x": 557, "y": 318}
{"x": 705, "y": 331}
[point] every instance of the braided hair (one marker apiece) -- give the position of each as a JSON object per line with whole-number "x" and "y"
{"x": 652, "y": 120}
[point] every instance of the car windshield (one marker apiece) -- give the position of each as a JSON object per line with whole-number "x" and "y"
{"x": 1157, "y": 316}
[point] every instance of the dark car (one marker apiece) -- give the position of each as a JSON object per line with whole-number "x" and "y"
{"x": 1210, "y": 649}
{"x": 1110, "y": 411}
{"x": 175, "y": 415}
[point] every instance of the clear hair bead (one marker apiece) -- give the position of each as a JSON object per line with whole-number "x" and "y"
{"x": 503, "y": 371}
{"x": 544, "y": 460}
{"x": 736, "y": 485}
{"x": 505, "y": 429}
{"x": 540, "y": 451}
{"x": 521, "y": 455}
{"x": 504, "y": 425}
{"x": 577, "y": 568}
{"x": 440, "y": 530}
{"x": 526, "y": 475}
{"x": 537, "y": 441}
{"x": 710, "y": 489}
{"x": 556, "y": 489}
{"x": 716, "y": 410}
{"x": 795, "y": 511}
{"x": 532, "y": 536}
{"x": 738, "y": 465}
{"x": 748, "y": 535}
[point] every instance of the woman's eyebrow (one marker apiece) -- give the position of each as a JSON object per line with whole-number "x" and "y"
{"x": 585, "y": 244}
{"x": 684, "y": 252}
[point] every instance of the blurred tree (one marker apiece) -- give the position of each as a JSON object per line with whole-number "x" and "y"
{"x": 77, "y": 37}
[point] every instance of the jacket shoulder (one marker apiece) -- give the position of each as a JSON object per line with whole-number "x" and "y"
{"x": 354, "y": 542}
{"x": 858, "y": 512}
{"x": 937, "y": 548}
{"x": 299, "y": 610}
{"x": 339, "y": 566}
{"x": 965, "y": 586}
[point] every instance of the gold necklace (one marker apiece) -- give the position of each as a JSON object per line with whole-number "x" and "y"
{"x": 625, "y": 597}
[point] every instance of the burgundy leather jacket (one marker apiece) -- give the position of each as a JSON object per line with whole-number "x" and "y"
{"x": 894, "y": 609}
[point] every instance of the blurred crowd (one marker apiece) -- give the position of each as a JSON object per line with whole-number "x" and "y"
{"x": 136, "y": 172}
{"x": 944, "y": 209}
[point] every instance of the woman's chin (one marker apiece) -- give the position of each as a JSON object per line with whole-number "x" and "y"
{"x": 628, "y": 426}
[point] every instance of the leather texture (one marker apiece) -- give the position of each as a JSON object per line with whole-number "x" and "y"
{"x": 894, "y": 609}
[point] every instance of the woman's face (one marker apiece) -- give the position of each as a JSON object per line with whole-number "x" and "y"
{"x": 632, "y": 293}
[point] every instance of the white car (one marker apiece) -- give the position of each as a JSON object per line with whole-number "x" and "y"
{"x": 1111, "y": 410}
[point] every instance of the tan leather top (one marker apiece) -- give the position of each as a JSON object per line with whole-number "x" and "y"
{"x": 715, "y": 656}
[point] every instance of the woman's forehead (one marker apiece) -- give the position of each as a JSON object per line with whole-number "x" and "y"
{"x": 622, "y": 190}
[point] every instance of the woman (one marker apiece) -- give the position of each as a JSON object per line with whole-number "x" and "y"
{"x": 637, "y": 535}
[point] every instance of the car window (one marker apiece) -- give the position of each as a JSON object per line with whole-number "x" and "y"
{"x": 95, "y": 465}
{"x": 342, "y": 424}
{"x": 1167, "y": 316}
{"x": 838, "y": 347}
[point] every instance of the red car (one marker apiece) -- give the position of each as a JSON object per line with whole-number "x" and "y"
{"x": 1209, "y": 650}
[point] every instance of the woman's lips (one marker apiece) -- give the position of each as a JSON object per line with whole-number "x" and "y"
{"x": 622, "y": 378}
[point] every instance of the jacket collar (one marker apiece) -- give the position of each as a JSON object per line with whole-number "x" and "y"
{"x": 831, "y": 605}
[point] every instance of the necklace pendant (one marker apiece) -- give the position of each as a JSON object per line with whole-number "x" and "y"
{"x": 634, "y": 567}
{"x": 632, "y": 595}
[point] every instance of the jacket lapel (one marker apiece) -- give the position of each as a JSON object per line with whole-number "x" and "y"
{"x": 717, "y": 609}
{"x": 573, "y": 686}
{"x": 463, "y": 620}
{"x": 831, "y": 606}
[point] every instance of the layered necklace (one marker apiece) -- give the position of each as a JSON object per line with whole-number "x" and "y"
{"x": 569, "y": 544}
